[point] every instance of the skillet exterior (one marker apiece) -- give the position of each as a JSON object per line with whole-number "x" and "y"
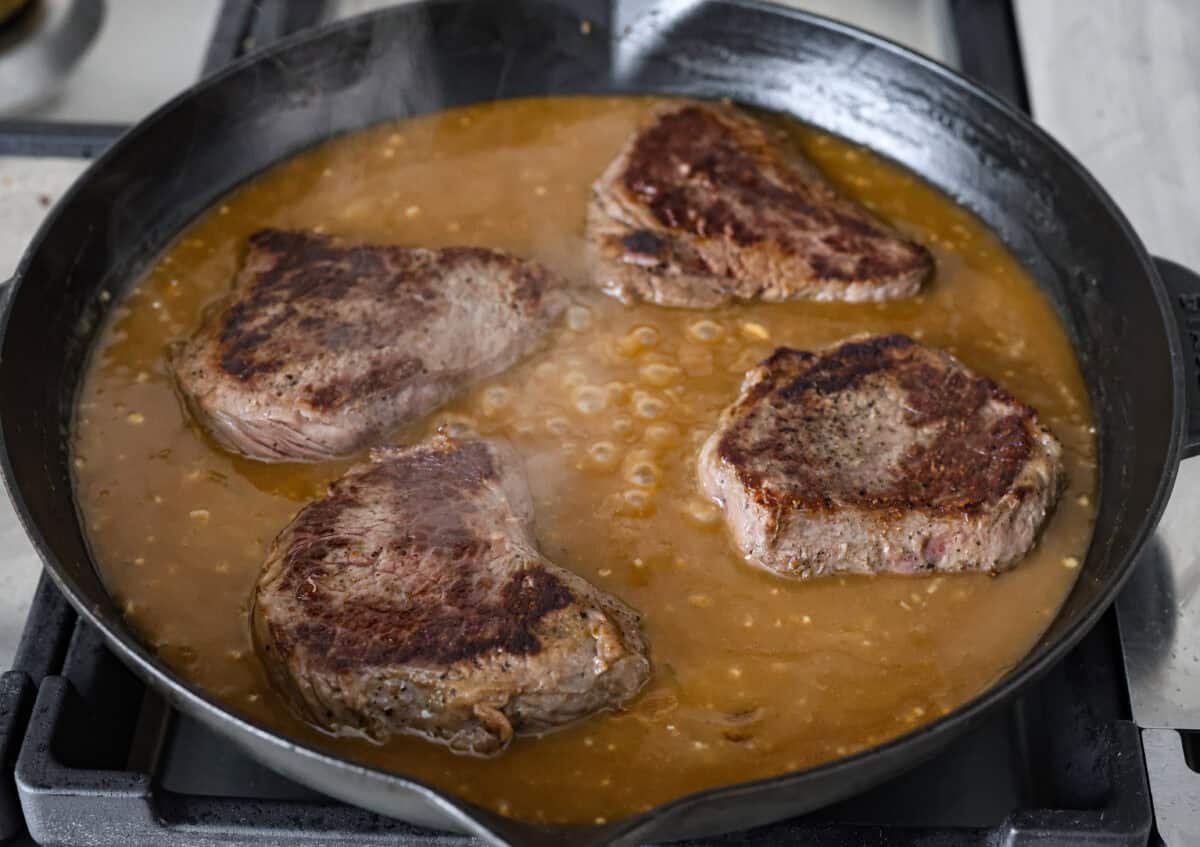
{"x": 426, "y": 56}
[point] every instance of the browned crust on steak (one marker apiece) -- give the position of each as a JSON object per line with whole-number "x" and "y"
{"x": 879, "y": 454}
{"x": 324, "y": 344}
{"x": 706, "y": 205}
{"x": 442, "y": 621}
{"x": 411, "y": 599}
{"x": 298, "y": 272}
{"x": 970, "y": 463}
{"x": 455, "y": 627}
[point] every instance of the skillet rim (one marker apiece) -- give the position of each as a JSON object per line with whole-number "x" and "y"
{"x": 932, "y": 735}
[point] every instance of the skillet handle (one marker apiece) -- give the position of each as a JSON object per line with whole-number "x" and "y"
{"x": 1183, "y": 285}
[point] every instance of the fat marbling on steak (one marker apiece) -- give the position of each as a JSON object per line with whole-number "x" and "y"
{"x": 412, "y": 599}
{"x": 879, "y": 454}
{"x": 324, "y": 345}
{"x": 706, "y": 205}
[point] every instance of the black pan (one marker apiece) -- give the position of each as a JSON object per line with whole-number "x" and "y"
{"x": 1125, "y": 323}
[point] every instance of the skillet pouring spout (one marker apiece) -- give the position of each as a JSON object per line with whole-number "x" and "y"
{"x": 425, "y": 56}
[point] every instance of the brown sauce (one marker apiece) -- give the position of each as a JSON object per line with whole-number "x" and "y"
{"x": 753, "y": 675}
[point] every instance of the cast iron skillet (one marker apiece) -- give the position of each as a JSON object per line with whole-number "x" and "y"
{"x": 427, "y": 56}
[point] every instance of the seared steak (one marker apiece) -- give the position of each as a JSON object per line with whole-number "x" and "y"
{"x": 706, "y": 205}
{"x": 879, "y": 455}
{"x": 323, "y": 346}
{"x": 411, "y": 599}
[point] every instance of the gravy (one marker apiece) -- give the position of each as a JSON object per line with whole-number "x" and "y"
{"x": 753, "y": 675}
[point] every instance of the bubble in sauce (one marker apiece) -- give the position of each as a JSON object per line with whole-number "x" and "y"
{"x": 617, "y": 392}
{"x": 635, "y": 503}
{"x": 648, "y": 406}
{"x": 660, "y": 375}
{"x": 579, "y": 318}
{"x": 642, "y": 471}
{"x": 703, "y": 513}
{"x": 590, "y": 399}
{"x": 662, "y": 435}
{"x": 638, "y": 339}
{"x": 705, "y": 331}
{"x": 622, "y": 425}
{"x": 603, "y": 456}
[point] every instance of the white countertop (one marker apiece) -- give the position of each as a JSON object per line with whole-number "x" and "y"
{"x": 1114, "y": 80}
{"x": 1118, "y": 83}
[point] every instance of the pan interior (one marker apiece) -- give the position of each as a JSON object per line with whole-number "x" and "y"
{"x": 752, "y": 672}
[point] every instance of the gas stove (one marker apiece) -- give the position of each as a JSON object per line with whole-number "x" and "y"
{"x": 1098, "y": 752}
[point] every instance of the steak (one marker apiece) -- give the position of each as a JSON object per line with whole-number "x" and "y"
{"x": 323, "y": 345}
{"x": 706, "y": 205}
{"x": 412, "y": 599}
{"x": 879, "y": 454}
